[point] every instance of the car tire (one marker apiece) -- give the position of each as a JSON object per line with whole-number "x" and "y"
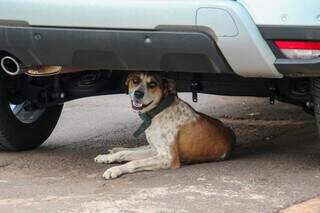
{"x": 16, "y": 135}
{"x": 315, "y": 88}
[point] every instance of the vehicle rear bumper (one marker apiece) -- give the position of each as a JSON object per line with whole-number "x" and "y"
{"x": 196, "y": 36}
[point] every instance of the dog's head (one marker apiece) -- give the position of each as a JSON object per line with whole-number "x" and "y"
{"x": 147, "y": 90}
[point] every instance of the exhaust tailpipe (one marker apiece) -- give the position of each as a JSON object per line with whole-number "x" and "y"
{"x": 11, "y": 66}
{"x": 47, "y": 70}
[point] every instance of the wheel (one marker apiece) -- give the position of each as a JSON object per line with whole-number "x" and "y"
{"x": 22, "y": 126}
{"x": 315, "y": 88}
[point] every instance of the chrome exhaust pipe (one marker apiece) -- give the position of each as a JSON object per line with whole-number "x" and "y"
{"x": 11, "y": 66}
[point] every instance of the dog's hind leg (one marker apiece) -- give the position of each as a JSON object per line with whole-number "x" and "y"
{"x": 126, "y": 155}
{"x": 118, "y": 149}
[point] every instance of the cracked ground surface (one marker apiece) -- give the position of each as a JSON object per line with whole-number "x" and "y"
{"x": 275, "y": 164}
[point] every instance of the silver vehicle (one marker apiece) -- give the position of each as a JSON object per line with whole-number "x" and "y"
{"x": 55, "y": 51}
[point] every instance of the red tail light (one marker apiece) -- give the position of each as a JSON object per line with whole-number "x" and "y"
{"x": 301, "y": 45}
{"x": 299, "y": 49}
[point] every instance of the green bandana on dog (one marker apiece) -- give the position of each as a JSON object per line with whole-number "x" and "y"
{"x": 147, "y": 116}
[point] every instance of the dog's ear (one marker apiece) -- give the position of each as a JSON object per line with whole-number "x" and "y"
{"x": 170, "y": 86}
{"x": 129, "y": 77}
{"x": 127, "y": 80}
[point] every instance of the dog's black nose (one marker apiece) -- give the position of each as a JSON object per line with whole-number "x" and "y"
{"x": 138, "y": 94}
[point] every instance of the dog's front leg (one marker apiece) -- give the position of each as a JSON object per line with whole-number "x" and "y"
{"x": 126, "y": 155}
{"x": 118, "y": 149}
{"x": 160, "y": 161}
{"x": 156, "y": 162}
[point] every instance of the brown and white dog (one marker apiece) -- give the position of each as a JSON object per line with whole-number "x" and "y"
{"x": 177, "y": 134}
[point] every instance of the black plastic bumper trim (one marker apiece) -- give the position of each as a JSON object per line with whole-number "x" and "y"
{"x": 275, "y": 32}
{"x": 114, "y": 49}
{"x": 298, "y": 67}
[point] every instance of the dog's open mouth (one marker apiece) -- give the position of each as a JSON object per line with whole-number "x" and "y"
{"x": 139, "y": 106}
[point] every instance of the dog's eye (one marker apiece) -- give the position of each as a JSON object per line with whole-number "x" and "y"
{"x": 136, "y": 80}
{"x": 152, "y": 84}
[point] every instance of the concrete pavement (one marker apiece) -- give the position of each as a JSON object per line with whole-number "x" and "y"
{"x": 275, "y": 164}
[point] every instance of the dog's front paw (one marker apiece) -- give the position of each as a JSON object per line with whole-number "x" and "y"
{"x": 103, "y": 159}
{"x": 112, "y": 173}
